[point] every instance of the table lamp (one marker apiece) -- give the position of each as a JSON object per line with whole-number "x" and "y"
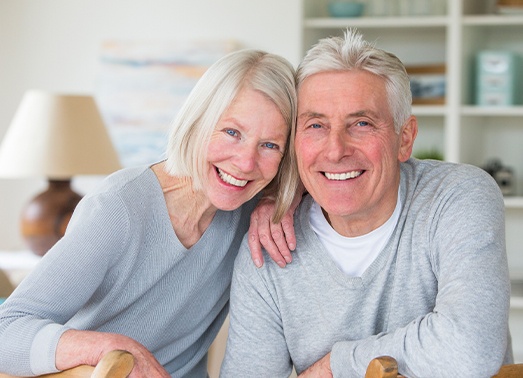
{"x": 57, "y": 137}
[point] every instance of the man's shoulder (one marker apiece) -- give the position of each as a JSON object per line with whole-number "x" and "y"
{"x": 270, "y": 270}
{"x": 447, "y": 173}
{"x": 427, "y": 166}
{"x": 432, "y": 183}
{"x": 244, "y": 260}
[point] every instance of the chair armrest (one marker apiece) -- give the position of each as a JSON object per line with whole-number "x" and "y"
{"x": 382, "y": 367}
{"x": 115, "y": 364}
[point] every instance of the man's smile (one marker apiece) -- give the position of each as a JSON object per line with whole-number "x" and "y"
{"x": 342, "y": 176}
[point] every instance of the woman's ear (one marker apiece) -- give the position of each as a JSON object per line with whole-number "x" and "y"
{"x": 408, "y": 133}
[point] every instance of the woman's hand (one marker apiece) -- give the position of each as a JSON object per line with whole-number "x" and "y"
{"x": 277, "y": 239}
{"x": 88, "y": 347}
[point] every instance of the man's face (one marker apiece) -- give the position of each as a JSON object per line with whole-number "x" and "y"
{"x": 347, "y": 150}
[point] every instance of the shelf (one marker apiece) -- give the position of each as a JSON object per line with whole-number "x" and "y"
{"x": 429, "y": 110}
{"x": 516, "y": 303}
{"x": 514, "y": 202}
{"x": 493, "y": 20}
{"x": 481, "y": 111}
{"x": 18, "y": 264}
{"x": 377, "y": 22}
{"x": 516, "y": 294}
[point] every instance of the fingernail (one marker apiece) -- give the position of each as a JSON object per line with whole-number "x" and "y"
{"x": 258, "y": 263}
{"x": 288, "y": 259}
{"x": 292, "y": 247}
{"x": 281, "y": 264}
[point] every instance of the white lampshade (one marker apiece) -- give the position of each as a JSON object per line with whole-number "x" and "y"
{"x": 57, "y": 137}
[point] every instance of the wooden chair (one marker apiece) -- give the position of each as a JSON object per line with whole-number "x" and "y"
{"x": 510, "y": 371}
{"x": 115, "y": 364}
{"x": 382, "y": 367}
{"x": 387, "y": 367}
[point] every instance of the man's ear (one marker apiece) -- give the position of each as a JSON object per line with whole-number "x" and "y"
{"x": 408, "y": 133}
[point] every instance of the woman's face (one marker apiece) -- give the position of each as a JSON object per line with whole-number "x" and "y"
{"x": 245, "y": 150}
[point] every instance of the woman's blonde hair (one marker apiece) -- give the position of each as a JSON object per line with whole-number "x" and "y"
{"x": 271, "y": 75}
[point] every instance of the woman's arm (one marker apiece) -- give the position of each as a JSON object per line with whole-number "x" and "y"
{"x": 88, "y": 347}
{"x": 278, "y": 239}
{"x": 35, "y": 316}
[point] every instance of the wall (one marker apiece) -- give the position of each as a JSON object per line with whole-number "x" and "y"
{"x": 54, "y": 44}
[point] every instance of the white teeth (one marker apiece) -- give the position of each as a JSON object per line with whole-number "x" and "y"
{"x": 231, "y": 180}
{"x": 342, "y": 176}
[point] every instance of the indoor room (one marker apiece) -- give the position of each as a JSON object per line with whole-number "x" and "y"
{"x": 131, "y": 64}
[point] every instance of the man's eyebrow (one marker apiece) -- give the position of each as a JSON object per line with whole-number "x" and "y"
{"x": 364, "y": 112}
{"x": 310, "y": 115}
{"x": 358, "y": 113}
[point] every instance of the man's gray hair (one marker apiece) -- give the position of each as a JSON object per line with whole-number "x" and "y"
{"x": 352, "y": 52}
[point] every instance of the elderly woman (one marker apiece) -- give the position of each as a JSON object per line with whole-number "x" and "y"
{"x": 146, "y": 262}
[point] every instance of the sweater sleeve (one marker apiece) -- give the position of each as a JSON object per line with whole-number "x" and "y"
{"x": 465, "y": 234}
{"x": 255, "y": 326}
{"x": 33, "y": 318}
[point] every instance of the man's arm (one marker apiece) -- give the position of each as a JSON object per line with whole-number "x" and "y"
{"x": 470, "y": 317}
{"x": 255, "y": 328}
{"x": 320, "y": 369}
{"x": 464, "y": 236}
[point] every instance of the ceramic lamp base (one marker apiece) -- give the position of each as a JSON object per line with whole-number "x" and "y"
{"x": 45, "y": 218}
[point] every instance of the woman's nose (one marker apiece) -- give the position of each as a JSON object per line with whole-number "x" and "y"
{"x": 246, "y": 158}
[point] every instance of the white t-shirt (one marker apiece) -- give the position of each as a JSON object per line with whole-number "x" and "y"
{"x": 352, "y": 255}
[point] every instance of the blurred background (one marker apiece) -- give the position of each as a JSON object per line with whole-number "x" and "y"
{"x": 56, "y": 46}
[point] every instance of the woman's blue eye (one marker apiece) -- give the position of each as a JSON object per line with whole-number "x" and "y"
{"x": 231, "y": 132}
{"x": 271, "y": 145}
{"x": 316, "y": 126}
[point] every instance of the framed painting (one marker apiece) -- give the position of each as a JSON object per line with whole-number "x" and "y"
{"x": 141, "y": 86}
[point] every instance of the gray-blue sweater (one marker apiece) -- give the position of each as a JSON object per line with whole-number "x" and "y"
{"x": 120, "y": 268}
{"x": 436, "y": 298}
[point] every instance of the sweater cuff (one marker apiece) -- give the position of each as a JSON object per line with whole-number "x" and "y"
{"x": 342, "y": 365}
{"x": 43, "y": 349}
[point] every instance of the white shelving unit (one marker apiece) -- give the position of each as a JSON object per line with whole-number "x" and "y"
{"x": 462, "y": 131}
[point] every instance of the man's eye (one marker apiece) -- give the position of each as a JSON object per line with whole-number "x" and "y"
{"x": 362, "y": 123}
{"x": 272, "y": 146}
{"x": 231, "y": 132}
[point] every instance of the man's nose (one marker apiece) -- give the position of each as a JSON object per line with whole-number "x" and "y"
{"x": 339, "y": 144}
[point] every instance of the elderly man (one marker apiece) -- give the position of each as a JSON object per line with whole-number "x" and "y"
{"x": 394, "y": 256}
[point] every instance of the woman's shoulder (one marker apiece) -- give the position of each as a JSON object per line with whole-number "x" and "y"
{"x": 131, "y": 176}
{"x": 125, "y": 192}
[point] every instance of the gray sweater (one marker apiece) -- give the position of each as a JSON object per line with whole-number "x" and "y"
{"x": 436, "y": 298}
{"x": 120, "y": 268}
